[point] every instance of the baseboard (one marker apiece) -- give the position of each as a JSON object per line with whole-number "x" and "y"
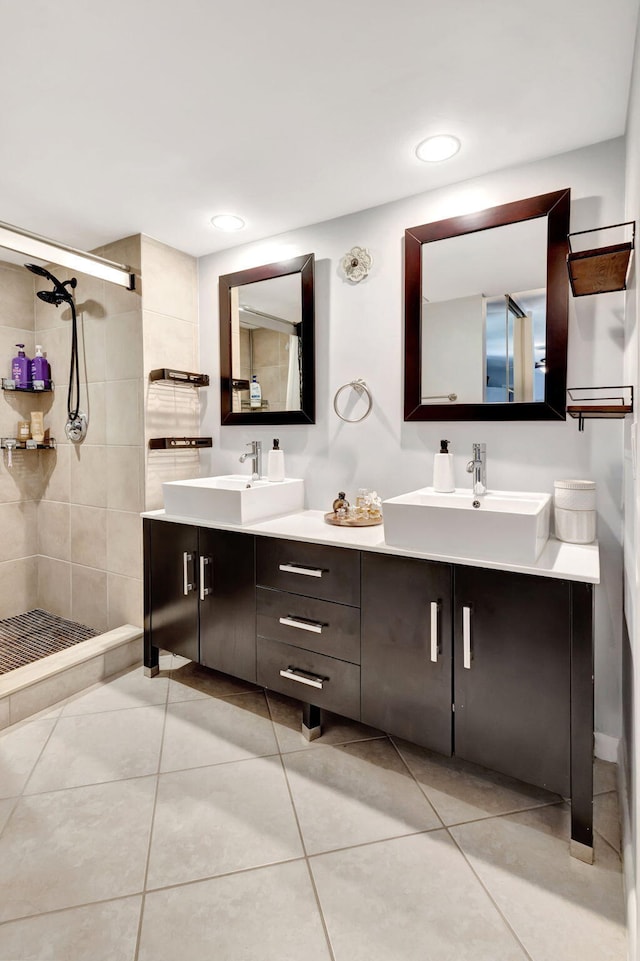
{"x": 628, "y": 860}
{"x": 606, "y": 747}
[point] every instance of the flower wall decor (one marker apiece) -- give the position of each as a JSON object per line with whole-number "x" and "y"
{"x": 357, "y": 263}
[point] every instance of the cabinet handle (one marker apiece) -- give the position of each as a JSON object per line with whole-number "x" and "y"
{"x": 187, "y": 586}
{"x": 435, "y": 610}
{"x": 303, "y": 623}
{"x": 204, "y": 563}
{"x": 303, "y": 677}
{"x": 301, "y": 569}
{"x": 466, "y": 637}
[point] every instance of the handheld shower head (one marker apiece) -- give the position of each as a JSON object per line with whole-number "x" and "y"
{"x": 60, "y": 294}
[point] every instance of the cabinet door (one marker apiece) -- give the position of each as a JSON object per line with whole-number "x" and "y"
{"x": 228, "y": 603}
{"x": 512, "y": 674}
{"x": 171, "y": 594}
{"x": 406, "y": 648}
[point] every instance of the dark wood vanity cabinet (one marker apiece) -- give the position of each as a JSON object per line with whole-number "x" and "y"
{"x": 199, "y": 597}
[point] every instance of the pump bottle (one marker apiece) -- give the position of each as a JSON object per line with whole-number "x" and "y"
{"x": 443, "y": 470}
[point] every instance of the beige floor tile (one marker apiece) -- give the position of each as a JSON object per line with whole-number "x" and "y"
{"x": 211, "y": 731}
{"x": 95, "y": 932}
{"x": 208, "y": 920}
{"x": 605, "y": 776}
{"x": 74, "y": 847}
{"x": 606, "y": 819}
{"x": 190, "y": 681}
{"x": 355, "y": 793}
{"x": 93, "y": 748}
{"x": 460, "y": 791}
{"x": 129, "y": 690}
{"x": 286, "y": 714}
{"x": 20, "y": 748}
{"x": 6, "y": 807}
{"x": 215, "y": 820}
{"x": 557, "y": 906}
{"x": 412, "y": 899}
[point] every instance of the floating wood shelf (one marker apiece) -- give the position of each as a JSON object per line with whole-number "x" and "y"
{"x": 171, "y": 376}
{"x": 599, "y": 403}
{"x": 179, "y": 443}
{"x": 600, "y": 270}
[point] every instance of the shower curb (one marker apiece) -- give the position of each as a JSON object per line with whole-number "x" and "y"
{"x": 34, "y": 687}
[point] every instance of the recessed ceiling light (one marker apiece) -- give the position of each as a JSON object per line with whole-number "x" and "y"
{"x": 438, "y": 148}
{"x": 227, "y": 222}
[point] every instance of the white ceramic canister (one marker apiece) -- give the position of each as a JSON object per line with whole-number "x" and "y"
{"x": 575, "y": 510}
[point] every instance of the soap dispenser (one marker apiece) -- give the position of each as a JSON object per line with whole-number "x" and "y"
{"x": 443, "y": 470}
{"x": 275, "y": 467}
{"x": 21, "y": 369}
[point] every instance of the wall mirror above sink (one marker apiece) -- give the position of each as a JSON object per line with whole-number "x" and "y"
{"x": 267, "y": 333}
{"x": 486, "y": 313}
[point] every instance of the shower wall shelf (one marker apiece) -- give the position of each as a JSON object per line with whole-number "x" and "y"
{"x": 168, "y": 375}
{"x": 599, "y": 403}
{"x": 14, "y": 444}
{"x": 600, "y": 270}
{"x": 179, "y": 443}
{"x": 9, "y": 384}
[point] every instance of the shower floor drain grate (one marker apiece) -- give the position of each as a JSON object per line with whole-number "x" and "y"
{"x": 29, "y": 637}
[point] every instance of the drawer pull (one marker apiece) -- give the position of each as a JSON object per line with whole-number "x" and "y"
{"x": 301, "y": 569}
{"x": 303, "y": 623}
{"x": 303, "y": 677}
{"x": 466, "y": 637}
{"x": 435, "y": 608}
{"x": 187, "y": 586}
{"x": 204, "y": 563}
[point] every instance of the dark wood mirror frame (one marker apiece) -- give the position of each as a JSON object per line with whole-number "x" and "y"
{"x": 554, "y": 206}
{"x": 304, "y": 266}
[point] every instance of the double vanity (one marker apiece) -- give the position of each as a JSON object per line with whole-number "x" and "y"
{"x": 483, "y": 649}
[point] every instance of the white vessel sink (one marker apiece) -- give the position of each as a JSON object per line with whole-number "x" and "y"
{"x": 233, "y": 498}
{"x": 508, "y": 526}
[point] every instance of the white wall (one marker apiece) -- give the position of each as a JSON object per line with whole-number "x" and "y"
{"x": 359, "y": 334}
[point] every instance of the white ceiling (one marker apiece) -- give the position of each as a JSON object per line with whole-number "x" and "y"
{"x": 150, "y": 116}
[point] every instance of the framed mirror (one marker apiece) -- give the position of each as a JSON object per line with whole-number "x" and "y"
{"x": 267, "y": 364}
{"x": 486, "y": 313}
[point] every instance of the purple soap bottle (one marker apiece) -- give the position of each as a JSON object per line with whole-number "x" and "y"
{"x": 40, "y": 371}
{"x": 21, "y": 369}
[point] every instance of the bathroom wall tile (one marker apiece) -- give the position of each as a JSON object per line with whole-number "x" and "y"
{"x": 19, "y": 531}
{"x": 9, "y": 337}
{"x": 89, "y": 475}
{"x": 170, "y": 280}
{"x": 17, "y": 308}
{"x": 53, "y": 530}
{"x": 56, "y": 346}
{"x": 88, "y": 536}
{"x": 4, "y": 716}
{"x": 48, "y": 316}
{"x": 164, "y": 466}
{"x": 39, "y": 696}
{"x": 124, "y": 601}
{"x": 120, "y": 658}
{"x": 119, "y": 300}
{"x": 124, "y": 543}
{"x": 54, "y": 586}
{"x": 169, "y": 341}
{"x": 90, "y": 295}
{"x": 92, "y": 342}
{"x": 171, "y": 411}
{"x": 124, "y": 417}
{"x": 123, "y": 346}
{"x": 125, "y": 478}
{"x": 93, "y": 403}
{"x": 266, "y": 348}
{"x": 18, "y": 586}
{"x": 269, "y": 379}
{"x": 89, "y": 597}
{"x": 55, "y": 412}
{"x": 55, "y": 468}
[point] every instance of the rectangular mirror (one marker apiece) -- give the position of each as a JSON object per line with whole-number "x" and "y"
{"x": 267, "y": 339}
{"x": 486, "y": 313}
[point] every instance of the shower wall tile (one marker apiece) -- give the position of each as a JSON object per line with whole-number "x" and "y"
{"x": 48, "y": 316}
{"x": 88, "y": 536}
{"x": 125, "y": 466}
{"x": 18, "y": 586}
{"x": 119, "y": 300}
{"x": 167, "y": 466}
{"x": 124, "y": 543}
{"x": 170, "y": 280}
{"x": 94, "y": 404}
{"x": 54, "y": 586}
{"x": 55, "y": 467}
{"x": 169, "y": 341}
{"x": 56, "y": 345}
{"x": 55, "y": 414}
{"x": 89, "y": 597}
{"x": 17, "y": 295}
{"x": 9, "y": 337}
{"x": 124, "y": 413}
{"x": 124, "y": 601}
{"x": 92, "y": 346}
{"x": 123, "y": 346}
{"x": 37, "y": 697}
{"x": 54, "y": 538}
{"x": 25, "y": 480}
{"x": 19, "y": 531}
{"x": 89, "y": 475}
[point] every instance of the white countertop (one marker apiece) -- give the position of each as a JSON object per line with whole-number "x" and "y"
{"x": 572, "y": 562}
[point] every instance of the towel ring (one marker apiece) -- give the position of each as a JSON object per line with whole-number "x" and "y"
{"x": 361, "y": 388}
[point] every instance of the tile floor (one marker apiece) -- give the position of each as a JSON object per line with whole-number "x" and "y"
{"x": 185, "y": 817}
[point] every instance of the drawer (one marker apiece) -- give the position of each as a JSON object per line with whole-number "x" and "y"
{"x": 335, "y": 685}
{"x": 322, "y": 626}
{"x": 329, "y": 573}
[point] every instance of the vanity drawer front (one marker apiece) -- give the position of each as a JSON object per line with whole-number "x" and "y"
{"x": 314, "y": 625}
{"x": 315, "y": 678}
{"x": 329, "y": 573}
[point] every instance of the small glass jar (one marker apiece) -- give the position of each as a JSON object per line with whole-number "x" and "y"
{"x": 24, "y": 431}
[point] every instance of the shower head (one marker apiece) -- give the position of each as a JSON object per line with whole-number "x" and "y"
{"x": 60, "y": 294}
{"x": 54, "y": 297}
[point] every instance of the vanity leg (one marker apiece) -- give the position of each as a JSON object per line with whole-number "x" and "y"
{"x": 151, "y": 654}
{"x": 151, "y": 657}
{"x": 582, "y": 722}
{"x": 311, "y": 727}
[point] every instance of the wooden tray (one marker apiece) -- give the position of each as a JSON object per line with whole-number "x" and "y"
{"x": 331, "y": 518}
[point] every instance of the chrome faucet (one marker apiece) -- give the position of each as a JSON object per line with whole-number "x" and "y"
{"x": 478, "y": 467}
{"x": 256, "y": 456}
